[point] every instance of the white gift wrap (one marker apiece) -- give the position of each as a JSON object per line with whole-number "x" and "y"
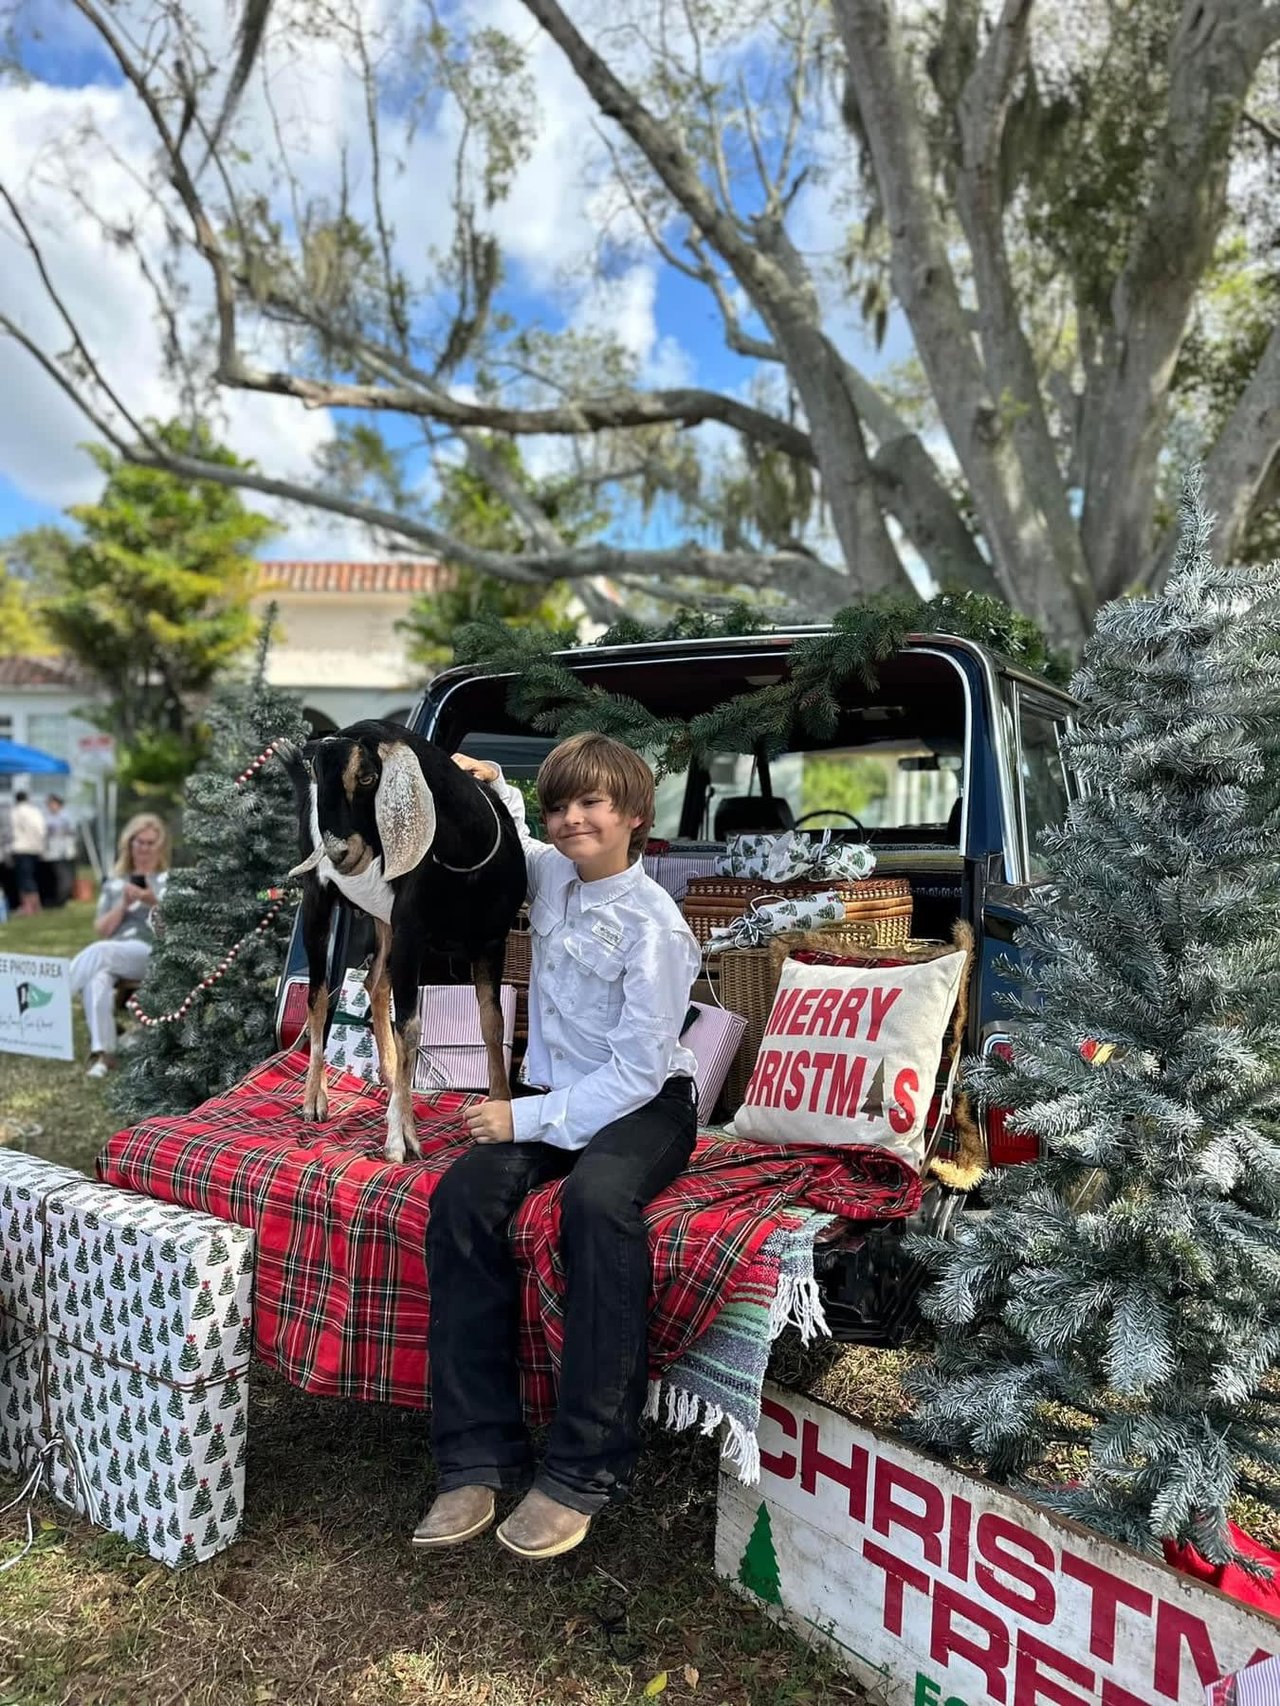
{"x": 350, "y": 1046}
{"x": 24, "y": 1180}
{"x": 451, "y": 1051}
{"x": 144, "y": 1355}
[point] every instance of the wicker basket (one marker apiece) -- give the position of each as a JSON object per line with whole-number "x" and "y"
{"x": 711, "y": 902}
{"x": 748, "y": 982}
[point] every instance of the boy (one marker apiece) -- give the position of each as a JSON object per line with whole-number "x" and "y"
{"x": 613, "y": 964}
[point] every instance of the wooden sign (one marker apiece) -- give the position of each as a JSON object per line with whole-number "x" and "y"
{"x": 939, "y": 1589}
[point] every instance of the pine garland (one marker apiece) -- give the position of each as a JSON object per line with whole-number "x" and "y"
{"x": 807, "y": 703}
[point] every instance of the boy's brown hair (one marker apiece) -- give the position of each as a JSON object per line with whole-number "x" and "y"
{"x": 593, "y": 763}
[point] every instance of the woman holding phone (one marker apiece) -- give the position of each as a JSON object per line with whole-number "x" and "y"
{"x": 126, "y": 925}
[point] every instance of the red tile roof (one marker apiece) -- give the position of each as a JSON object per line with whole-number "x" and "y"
{"x": 43, "y": 672}
{"x": 396, "y": 577}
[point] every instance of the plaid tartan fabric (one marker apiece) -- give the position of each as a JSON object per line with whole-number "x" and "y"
{"x": 340, "y": 1293}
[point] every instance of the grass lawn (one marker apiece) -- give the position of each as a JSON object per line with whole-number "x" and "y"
{"x": 321, "y": 1600}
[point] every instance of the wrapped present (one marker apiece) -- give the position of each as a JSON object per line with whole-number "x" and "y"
{"x": 129, "y": 1383}
{"x": 451, "y": 1051}
{"x": 796, "y": 855}
{"x": 766, "y": 918}
{"x": 714, "y": 1036}
{"x": 674, "y": 864}
{"x": 350, "y": 1046}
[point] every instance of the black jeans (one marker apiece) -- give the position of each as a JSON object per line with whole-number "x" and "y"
{"x": 478, "y": 1431}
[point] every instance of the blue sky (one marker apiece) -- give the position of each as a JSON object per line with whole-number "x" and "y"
{"x": 547, "y": 228}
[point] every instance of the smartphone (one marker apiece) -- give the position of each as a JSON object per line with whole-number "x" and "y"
{"x": 138, "y": 881}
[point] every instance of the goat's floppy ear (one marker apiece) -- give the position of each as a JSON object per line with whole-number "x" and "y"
{"x": 404, "y": 808}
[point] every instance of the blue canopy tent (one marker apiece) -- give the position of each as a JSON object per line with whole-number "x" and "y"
{"x": 18, "y": 760}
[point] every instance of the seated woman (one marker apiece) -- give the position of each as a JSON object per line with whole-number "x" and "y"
{"x": 125, "y": 923}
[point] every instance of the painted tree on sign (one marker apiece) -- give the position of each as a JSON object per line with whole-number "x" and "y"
{"x": 758, "y": 1570}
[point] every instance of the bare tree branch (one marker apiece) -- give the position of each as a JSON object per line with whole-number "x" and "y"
{"x": 1237, "y": 469}
{"x": 888, "y": 108}
{"x": 815, "y": 365}
{"x": 1010, "y": 365}
{"x": 811, "y": 581}
{"x": 1214, "y": 56}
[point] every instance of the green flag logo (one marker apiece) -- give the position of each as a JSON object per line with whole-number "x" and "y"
{"x": 31, "y": 995}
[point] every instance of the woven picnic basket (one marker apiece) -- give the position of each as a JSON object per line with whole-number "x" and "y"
{"x": 880, "y": 904}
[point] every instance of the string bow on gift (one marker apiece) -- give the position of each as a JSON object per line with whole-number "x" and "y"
{"x": 796, "y": 856}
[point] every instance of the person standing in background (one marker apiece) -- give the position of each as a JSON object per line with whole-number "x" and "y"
{"x": 28, "y": 850}
{"x": 60, "y": 850}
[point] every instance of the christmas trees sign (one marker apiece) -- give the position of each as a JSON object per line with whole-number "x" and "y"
{"x": 136, "y": 1317}
{"x": 1123, "y": 1296}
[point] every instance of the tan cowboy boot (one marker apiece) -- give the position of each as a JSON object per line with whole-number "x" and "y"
{"x": 539, "y": 1527}
{"x": 455, "y": 1517}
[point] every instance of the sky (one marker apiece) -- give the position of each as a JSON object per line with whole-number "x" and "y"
{"x": 52, "y": 161}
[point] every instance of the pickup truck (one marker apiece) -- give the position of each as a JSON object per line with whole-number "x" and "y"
{"x": 948, "y": 768}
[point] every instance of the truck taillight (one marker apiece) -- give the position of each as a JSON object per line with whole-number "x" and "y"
{"x": 293, "y": 1012}
{"x": 1006, "y": 1148}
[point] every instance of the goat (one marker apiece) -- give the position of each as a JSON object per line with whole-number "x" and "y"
{"x": 390, "y": 822}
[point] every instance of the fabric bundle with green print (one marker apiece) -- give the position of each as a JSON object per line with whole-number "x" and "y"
{"x": 127, "y": 1335}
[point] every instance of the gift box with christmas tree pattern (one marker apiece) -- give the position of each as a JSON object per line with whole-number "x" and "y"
{"x": 24, "y": 1182}
{"x": 143, "y": 1351}
{"x": 350, "y": 1046}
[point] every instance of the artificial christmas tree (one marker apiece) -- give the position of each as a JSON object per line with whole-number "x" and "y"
{"x": 1124, "y": 1292}
{"x": 240, "y": 840}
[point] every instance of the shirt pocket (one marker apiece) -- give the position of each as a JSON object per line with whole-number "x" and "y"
{"x": 593, "y": 979}
{"x": 545, "y": 914}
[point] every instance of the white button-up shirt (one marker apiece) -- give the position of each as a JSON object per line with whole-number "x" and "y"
{"x": 613, "y": 964}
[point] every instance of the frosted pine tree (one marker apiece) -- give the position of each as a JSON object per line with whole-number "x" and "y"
{"x": 238, "y": 842}
{"x": 1124, "y": 1292}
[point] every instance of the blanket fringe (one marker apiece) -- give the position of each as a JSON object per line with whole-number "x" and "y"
{"x": 796, "y": 1303}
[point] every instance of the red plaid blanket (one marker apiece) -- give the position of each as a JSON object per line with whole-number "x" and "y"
{"x": 340, "y": 1295}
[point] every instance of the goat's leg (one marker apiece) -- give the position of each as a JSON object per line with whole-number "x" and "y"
{"x": 378, "y": 989}
{"x": 317, "y": 910}
{"x": 486, "y": 974}
{"x": 402, "y": 1134}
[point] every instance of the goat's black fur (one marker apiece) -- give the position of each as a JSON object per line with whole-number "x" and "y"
{"x": 458, "y": 911}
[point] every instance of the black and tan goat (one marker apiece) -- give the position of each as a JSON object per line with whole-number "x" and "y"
{"x": 391, "y": 823}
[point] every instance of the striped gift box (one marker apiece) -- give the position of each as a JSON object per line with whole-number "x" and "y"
{"x": 714, "y": 1038}
{"x": 451, "y": 1054}
{"x": 674, "y": 866}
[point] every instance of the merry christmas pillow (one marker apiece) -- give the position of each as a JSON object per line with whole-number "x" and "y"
{"x": 850, "y": 1055}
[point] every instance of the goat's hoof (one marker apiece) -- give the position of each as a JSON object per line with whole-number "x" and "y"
{"x": 393, "y": 1150}
{"x": 317, "y": 1108}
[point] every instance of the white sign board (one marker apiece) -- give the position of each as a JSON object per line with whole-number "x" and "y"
{"x": 35, "y": 1007}
{"x": 938, "y": 1589}
{"x": 96, "y": 752}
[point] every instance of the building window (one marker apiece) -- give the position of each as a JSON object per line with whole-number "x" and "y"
{"x": 50, "y": 731}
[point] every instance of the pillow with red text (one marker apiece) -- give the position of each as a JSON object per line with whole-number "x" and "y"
{"x": 850, "y": 1055}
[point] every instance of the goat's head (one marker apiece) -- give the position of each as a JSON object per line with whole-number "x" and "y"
{"x": 358, "y": 799}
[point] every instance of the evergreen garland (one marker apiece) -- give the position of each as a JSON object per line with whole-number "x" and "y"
{"x": 553, "y": 700}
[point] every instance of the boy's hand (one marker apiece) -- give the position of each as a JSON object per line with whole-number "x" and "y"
{"x": 476, "y": 767}
{"x": 490, "y": 1122}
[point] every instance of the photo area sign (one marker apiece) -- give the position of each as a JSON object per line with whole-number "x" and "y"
{"x": 35, "y": 1006}
{"x": 934, "y": 1588}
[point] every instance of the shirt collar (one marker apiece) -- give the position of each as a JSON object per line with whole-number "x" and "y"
{"x": 606, "y": 889}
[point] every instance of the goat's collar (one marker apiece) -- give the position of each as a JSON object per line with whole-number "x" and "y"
{"x": 465, "y": 870}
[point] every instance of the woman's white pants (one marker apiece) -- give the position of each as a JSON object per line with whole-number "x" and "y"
{"x": 93, "y": 976}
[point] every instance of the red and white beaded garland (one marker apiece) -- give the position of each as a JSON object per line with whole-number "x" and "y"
{"x": 277, "y": 897}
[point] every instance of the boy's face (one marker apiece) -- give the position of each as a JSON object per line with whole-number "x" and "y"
{"x": 591, "y": 832}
